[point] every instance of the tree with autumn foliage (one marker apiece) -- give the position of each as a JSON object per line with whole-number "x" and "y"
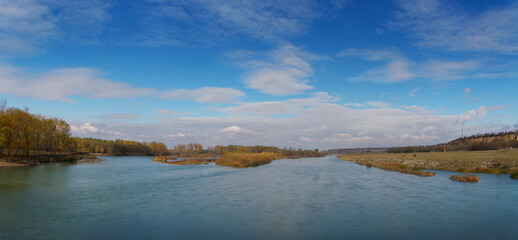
{"x": 22, "y": 132}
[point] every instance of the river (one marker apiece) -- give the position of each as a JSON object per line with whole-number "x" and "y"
{"x": 311, "y": 198}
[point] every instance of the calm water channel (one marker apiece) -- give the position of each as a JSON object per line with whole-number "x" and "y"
{"x": 314, "y": 198}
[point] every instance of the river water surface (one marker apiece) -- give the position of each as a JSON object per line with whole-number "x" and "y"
{"x": 312, "y": 198}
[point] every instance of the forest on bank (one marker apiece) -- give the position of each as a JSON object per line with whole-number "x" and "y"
{"x": 478, "y": 142}
{"x": 24, "y": 133}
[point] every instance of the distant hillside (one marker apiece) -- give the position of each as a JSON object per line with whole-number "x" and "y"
{"x": 345, "y": 151}
{"x": 501, "y": 137}
{"x": 478, "y": 142}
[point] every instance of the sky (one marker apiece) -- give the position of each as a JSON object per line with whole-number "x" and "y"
{"x": 291, "y": 73}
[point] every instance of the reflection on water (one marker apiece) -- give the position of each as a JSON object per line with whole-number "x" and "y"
{"x": 324, "y": 198}
{"x": 12, "y": 186}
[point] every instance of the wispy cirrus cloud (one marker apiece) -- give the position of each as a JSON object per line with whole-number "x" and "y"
{"x": 168, "y": 22}
{"x": 444, "y": 25}
{"x": 396, "y": 68}
{"x": 29, "y": 25}
{"x": 205, "y": 94}
{"x": 375, "y": 104}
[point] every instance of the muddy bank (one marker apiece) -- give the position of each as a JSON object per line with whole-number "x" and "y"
{"x": 35, "y": 160}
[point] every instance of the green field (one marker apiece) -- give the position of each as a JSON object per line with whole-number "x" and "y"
{"x": 494, "y": 161}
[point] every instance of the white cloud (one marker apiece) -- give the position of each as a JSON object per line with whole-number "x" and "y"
{"x": 62, "y": 84}
{"x": 306, "y": 139}
{"x": 376, "y": 104}
{"x": 29, "y": 25}
{"x": 165, "y": 112}
{"x": 84, "y": 128}
{"x": 272, "y": 108}
{"x": 354, "y": 104}
{"x": 396, "y": 68}
{"x": 325, "y": 123}
{"x": 233, "y": 130}
{"x": 371, "y": 54}
{"x": 467, "y": 90}
{"x": 24, "y": 25}
{"x": 205, "y": 94}
{"x": 177, "y": 135}
{"x": 279, "y": 81}
{"x": 284, "y": 71}
{"x": 217, "y": 20}
{"x": 413, "y": 92}
{"x": 114, "y": 133}
{"x": 418, "y": 109}
{"x": 442, "y": 24}
{"x": 87, "y": 129}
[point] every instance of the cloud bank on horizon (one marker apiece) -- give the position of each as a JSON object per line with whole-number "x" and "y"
{"x": 299, "y": 73}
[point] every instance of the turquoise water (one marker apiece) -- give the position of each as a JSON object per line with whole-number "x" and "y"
{"x": 314, "y": 198}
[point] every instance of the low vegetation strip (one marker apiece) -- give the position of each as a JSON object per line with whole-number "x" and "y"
{"x": 466, "y": 178}
{"x": 35, "y": 160}
{"x": 191, "y": 161}
{"x": 394, "y": 167}
{"x": 163, "y": 158}
{"x": 243, "y": 160}
{"x": 494, "y": 161}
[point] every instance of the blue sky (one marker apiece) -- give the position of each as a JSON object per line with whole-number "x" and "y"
{"x": 303, "y": 73}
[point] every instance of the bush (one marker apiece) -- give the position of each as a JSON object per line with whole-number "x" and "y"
{"x": 466, "y": 178}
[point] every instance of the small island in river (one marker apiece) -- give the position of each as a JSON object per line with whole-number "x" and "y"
{"x": 229, "y": 159}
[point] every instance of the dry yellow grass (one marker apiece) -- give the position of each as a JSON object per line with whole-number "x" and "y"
{"x": 163, "y": 158}
{"x": 495, "y": 161}
{"x": 465, "y": 178}
{"x": 242, "y": 160}
{"x": 191, "y": 161}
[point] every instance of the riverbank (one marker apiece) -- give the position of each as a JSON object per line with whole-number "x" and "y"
{"x": 35, "y": 160}
{"x": 494, "y": 161}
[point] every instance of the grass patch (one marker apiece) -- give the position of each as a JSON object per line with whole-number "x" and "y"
{"x": 191, "y": 161}
{"x": 493, "y": 161}
{"x": 163, "y": 158}
{"x": 243, "y": 160}
{"x": 465, "y": 178}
